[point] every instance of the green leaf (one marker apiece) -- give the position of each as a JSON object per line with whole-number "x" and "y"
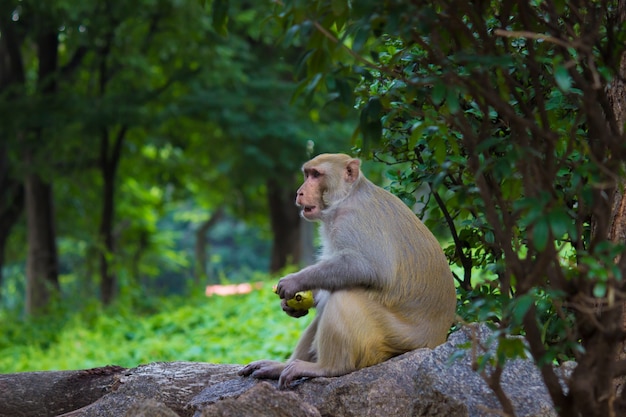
{"x": 345, "y": 90}
{"x": 220, "y": 16}
{"x": 313, "y": 83}
{"x": 509, "y": 348}
{"x": 438, "y": 93}
{"x": 521, "y": 306}
{"x": 370, "y": 124}
{"x": 417, "y": 130}
{"x": 372, "y": 133}
{"x": 562, "y": 77}
{"x": 371, "y": 111}
{"x": 560, "y": 222}
{"x": 360, "y": 38}
{"x": 452, "y": 99}
{"x": 599, "y": 290}
{"x": 440, "y": 151}
{"x": 489, "y": 237}
{"x": 540, "y": 233}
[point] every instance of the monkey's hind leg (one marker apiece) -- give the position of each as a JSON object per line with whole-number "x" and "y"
{"x": 352, "y": 333}
{"x": 348, "y": 338}
{"x": 267, "y": 369}
{"x": 305, "y": 350}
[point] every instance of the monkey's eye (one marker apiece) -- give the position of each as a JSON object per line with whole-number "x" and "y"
{"x": 315, "y": 173}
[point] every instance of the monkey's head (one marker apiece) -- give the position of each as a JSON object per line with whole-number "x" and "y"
{"x": 328, "y": 179}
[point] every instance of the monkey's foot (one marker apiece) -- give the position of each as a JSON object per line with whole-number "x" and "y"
{"x": 263, "y": 369}
{"x": 299, "y": 369}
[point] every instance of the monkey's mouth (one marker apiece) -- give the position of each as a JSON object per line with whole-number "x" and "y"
{"x": 310, "y": 212}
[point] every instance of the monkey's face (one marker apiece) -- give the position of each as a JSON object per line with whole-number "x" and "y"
{"x": 327, "y": 180}
{"x": 309, "y": 195}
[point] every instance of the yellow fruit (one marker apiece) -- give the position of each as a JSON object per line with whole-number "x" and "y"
{"x": 303, "y": 300}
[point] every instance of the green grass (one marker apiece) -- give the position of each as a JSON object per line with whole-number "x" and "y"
{"x": 232, "y": 329}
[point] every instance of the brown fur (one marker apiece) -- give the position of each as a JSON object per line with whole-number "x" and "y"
{"x": 382, "y": 284}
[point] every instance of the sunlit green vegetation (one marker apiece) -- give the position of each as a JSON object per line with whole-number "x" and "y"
{"x": 231, "y": 329}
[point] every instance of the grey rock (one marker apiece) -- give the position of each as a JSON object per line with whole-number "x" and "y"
{"x": 424, "y": 382}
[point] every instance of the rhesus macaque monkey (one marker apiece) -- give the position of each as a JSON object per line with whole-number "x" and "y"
{"x": 382, "y": 284}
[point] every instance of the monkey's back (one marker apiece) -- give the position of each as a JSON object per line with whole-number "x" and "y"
{"x": 418, "y": 291}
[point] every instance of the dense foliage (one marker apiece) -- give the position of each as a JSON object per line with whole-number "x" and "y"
{"x": 144, "y": 142}
{"x": 497, "y": 119}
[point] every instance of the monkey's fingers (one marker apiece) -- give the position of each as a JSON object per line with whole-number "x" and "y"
{"x": 246, "y": 370}
{"x": 287, "y": 287}
{"x": 291, "y": 372}
{"x": 292, "y": 312}
{"x": 251, "y": 367}
{"x": 263, "y": 369}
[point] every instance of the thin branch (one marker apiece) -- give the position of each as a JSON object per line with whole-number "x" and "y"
{"x": 493, "y": 381}
{"x": 536, "y": 36}
{"x": 466, "y": 261}
{"x": 538, "y": 350}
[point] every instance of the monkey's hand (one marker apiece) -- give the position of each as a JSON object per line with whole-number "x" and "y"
{"x": 297, "y": 313}
{"x": 288, "y": 286}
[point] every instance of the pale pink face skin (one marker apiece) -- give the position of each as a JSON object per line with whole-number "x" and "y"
{"x": 309, "y": 195}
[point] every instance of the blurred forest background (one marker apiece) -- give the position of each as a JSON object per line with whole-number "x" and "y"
{"x": 142, "y": 148}
{"x": 147, "y": 149}
{"x": 150, "y": 148}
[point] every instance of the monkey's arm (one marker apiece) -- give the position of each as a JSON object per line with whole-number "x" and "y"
{"x": 344, "y": 269}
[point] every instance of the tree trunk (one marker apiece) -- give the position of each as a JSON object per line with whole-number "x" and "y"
{"x": 109, "y": 162}
{"x": 107, "y": 276}
{"x": 41, "y": 263}
{"x": 11, "y": 204}
{"x": 285, "y": 222}
{"x": 201, "y": 272}
{"x": 11, "y": 190}
{"x": 617, "y": 232}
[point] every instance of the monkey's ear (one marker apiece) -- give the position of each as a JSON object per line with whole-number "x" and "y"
{"x": 351, "y": 173}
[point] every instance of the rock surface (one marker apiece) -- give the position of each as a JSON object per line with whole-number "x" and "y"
{"x": 424, "y": 382}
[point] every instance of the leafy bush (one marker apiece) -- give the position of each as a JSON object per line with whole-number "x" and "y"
{"x": 499, "y": 120}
